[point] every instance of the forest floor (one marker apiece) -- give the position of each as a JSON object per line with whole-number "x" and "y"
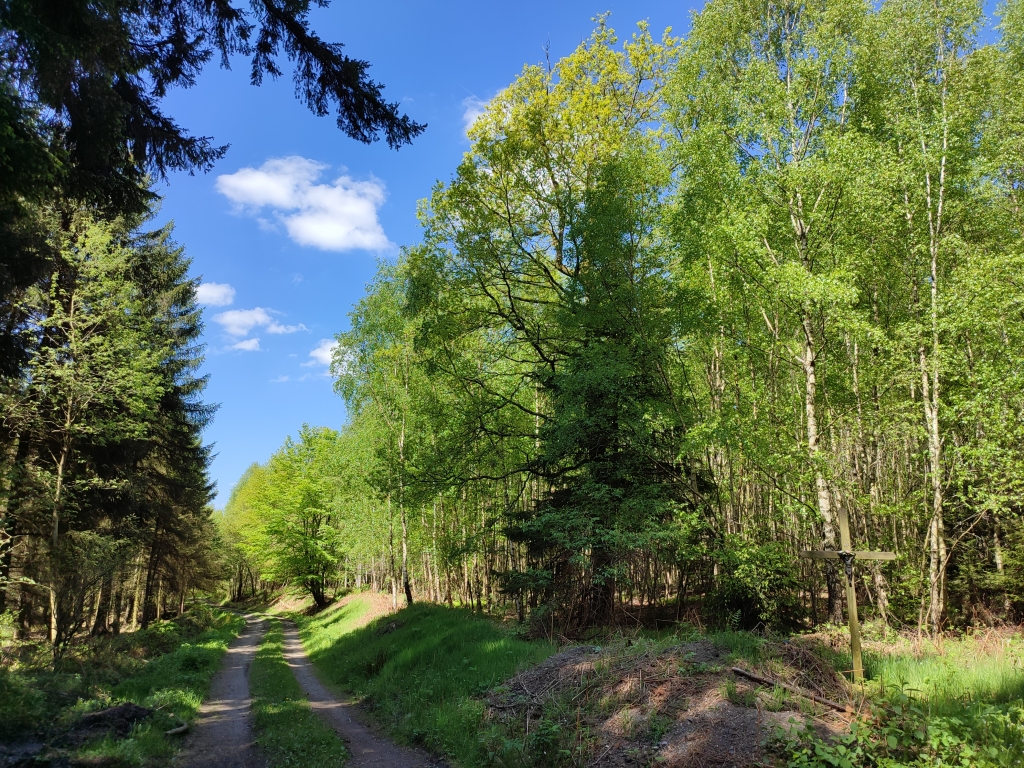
{"x": 112, "y": 698}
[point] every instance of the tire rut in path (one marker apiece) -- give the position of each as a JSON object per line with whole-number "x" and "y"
{"x": 222, "y": 735}
{"x": 368, "y": 749}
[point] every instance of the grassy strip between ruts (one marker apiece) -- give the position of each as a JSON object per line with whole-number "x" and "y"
{"x": 422, "y": 670}
{"x": 174, "y": 684}
{"x": 287, "y": 730}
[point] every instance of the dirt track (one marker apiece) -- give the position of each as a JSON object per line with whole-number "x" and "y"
{"x": 222, "y": 736}
{"x": 368, "y": 748}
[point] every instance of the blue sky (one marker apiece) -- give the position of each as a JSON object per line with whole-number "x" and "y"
{"x": 287, "y": 229}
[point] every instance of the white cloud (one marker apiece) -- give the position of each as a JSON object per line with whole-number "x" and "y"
{"x": 276, "y": 327}
{"x": 474, "y": 107}
{"x": 338, "y": 216}
{"x": 323, "y": 352}
{"x": 215, "y": 294}
{"x": 238, "y": 322}
{"x": 279, "y": 380}
{"x": 249, "y": 345}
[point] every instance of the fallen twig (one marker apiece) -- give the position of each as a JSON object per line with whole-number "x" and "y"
{"x": 793, "y": 689}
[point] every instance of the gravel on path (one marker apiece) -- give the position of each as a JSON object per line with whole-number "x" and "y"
{"x": 368, "y": 748}
{"x": 222, "y": 735}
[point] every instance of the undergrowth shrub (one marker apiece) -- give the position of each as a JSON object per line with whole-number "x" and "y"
{"x": 167, "y": 666}
{"x": 901, "y": 731}
{"x": 758, "y": 584}
{"x": 21, "y": 705}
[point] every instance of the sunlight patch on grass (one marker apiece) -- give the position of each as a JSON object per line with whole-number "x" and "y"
{"x": 321, "y": 631}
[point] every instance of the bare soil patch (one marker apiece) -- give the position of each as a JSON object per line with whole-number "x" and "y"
{"x": 379, "y": 605}
{"x": 678, "y": 706}
{"x": 290, "y": 602}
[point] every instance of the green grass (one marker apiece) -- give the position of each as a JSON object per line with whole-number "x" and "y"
{"x": 970, "y": 669}
{"x": 177, "y": 682}
{"x": 422, "y": 669}
{"x": 961, "y": 705}
{"x": 167, "y": 667}
{"x": 287, "y": 730}
{"x": 741, "y": 646}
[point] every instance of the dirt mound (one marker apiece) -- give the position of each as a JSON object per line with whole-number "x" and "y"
{"x": 801, "y": 664}
{"x": 563, "y": 670}
{"x": 718, "y": 734}
{"x": 645, "y": 703}
{"x": 117, "y": 721}
{"x": 699, "y": 652}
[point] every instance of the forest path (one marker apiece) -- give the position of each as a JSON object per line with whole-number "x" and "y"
{"x": 368, "y": 748}
{"x": 222, "y": 735}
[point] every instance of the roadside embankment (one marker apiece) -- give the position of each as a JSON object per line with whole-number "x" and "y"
{"x": 422, "y": 671}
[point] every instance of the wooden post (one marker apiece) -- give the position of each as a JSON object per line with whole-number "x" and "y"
{"x": 847, "y": 556}
{"x": 851, "y": 595}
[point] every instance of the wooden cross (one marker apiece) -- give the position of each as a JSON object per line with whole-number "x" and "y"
{"x": 847, "y": 555}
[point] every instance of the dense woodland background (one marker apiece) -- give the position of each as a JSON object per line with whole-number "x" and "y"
{"x": 683, "y": 302}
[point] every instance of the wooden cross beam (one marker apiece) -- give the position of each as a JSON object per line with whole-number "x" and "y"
{"x": 847, "y": 556}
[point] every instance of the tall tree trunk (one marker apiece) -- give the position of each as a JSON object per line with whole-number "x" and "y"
{"x": 824, "y": 496}
{"x": 55, "y": 532}
{"x": 997, "y": 552}
{"x": 101, "y": 625}
{"x": 148, "y": 608}
{"x": 935, "y": 198}
{"x": 405, "y": 558}
{"x": 118, "y": 607}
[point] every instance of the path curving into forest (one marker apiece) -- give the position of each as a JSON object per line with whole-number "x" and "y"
{"x": 368, "y": 748}
{"x": 222, "y": 735}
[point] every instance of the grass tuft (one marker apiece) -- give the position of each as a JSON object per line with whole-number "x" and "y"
{"x": 960, "y": 703}
{"x": 970, "y": 669}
